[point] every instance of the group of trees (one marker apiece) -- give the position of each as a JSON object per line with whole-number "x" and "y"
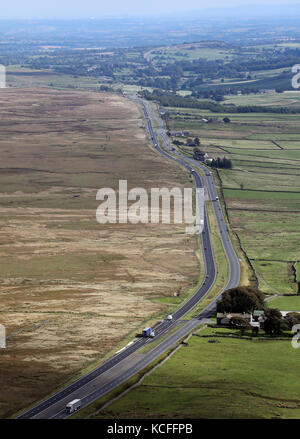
{"x": 219, "y": 162}
{"x": 189, "y": 141}
{"x": 178, "y": 142}
{"x": 242, "y": 300}
{"x": 168, "y": 99}
{"x": 275, "y": 324}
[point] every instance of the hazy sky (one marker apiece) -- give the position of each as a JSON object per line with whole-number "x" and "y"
{"x": 100, "y": 8}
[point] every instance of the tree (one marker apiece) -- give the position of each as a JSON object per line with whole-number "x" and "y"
{"x": 197, "y": 141}
{"x": 274, "y": 324}
{"x": 240, "y": 300}
{"x": 221, "y": 163}
{"x": 219, "y": 98}
{"x": 226, "y": 120}
{"x": 177, "y": 142}
{"x": 240, "y": 323}
{"x": 291, "y": 319}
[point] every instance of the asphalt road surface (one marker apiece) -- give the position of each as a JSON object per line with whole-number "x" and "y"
{"x": 126, "y": 363}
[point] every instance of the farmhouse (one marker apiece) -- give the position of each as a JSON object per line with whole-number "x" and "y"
{"x": 179, "y": 133}
{"x": 225, "y": 319}
{"x": 256, "y": 319}
{"x": 201, "y": 156}
{"x": 258, "y": 315}
{"x": 208, "y": 160}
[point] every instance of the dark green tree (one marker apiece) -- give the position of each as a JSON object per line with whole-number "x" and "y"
{"x": 291, "y": 319}
{"x": 240, "y": 300}
{"x": 274, "y": 323}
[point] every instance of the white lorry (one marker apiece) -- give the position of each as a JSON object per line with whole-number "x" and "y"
{"x": 73, "y": 406}
{"x": 169, "y": 317}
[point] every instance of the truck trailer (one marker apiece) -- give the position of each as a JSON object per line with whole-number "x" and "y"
{"x": 73, "y": 406}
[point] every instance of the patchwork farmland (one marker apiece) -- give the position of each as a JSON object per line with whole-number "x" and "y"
{"x": 262, "y": 191}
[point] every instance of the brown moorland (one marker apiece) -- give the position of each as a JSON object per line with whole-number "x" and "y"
{"x": 73, "y": 290}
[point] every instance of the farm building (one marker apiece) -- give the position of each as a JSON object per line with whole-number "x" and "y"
{"x": 224, "y": 318}
{"x": 256, "y": 319}
{"x": 201, "y": 156}
{"x": 179, "y": 133}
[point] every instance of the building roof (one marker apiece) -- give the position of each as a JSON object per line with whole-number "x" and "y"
{"x": 258, "y": 313}
{"x": 284, "y": 313}
{"x": 221, "y": 315}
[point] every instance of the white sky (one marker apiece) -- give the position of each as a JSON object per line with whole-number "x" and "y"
{"x": 100, "y": 8}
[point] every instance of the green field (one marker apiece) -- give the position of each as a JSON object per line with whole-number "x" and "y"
{"x": 240, "y": 143}
{"x": 277, "y": 155}
{"x": 289, "y": 144}
{"x": 262, "y": 191}
{"x": 275, "y": 136}
{"x": 289, "y": 98}
{"x": 190, "y": 52}
{"x": 286, "y": 303}
{"x": 234, "y": 378}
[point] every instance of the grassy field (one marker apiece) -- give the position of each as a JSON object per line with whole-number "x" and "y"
{"x": 189, "y": 52}
{"x": 286, "y": 303}
{"x": 22, "y": 77}
{"x": 240, "y": 144}
{"x": 288, "y": 98}
{"x": 72, "y": 289}
{"x": 235, "y": 378}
